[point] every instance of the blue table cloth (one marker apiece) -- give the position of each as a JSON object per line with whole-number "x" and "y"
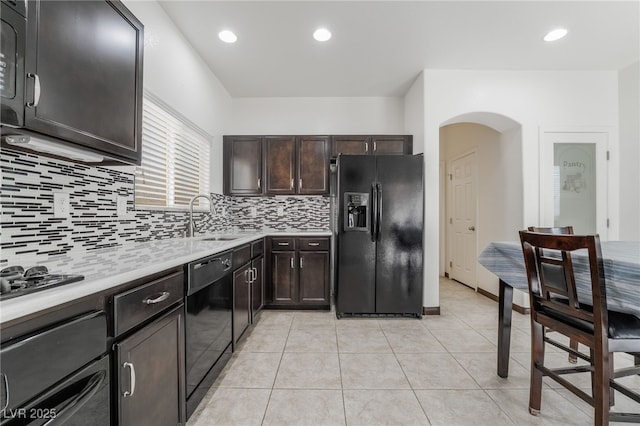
{"x": 621, "y": 269}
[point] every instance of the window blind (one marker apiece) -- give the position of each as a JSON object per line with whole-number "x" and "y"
{"x": 175, "y": 158}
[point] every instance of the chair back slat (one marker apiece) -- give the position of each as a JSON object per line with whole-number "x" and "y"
{"x": 552, "y": 281}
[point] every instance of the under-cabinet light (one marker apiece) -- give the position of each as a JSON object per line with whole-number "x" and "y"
{"x": 54, "y": 148}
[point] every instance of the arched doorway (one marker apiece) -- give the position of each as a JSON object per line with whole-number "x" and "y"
{"x": 481, "y": 198}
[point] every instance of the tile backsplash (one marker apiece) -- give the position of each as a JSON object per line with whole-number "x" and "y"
{"x": 29, "y": 227}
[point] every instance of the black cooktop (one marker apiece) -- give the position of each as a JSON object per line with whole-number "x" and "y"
{"x": 16, "y": 281}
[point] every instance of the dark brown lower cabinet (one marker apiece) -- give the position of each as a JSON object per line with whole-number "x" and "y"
{"x": 150, "y": 373}
{"x": 248, "y": 286}
{"x": 283, "y": 277}
{"x": 299, "y": 272}
{"x": 241, "y": 294}
{"x": 314, "y": 277}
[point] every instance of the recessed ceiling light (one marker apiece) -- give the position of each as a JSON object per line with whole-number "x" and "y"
{"x": 322, "y": 34}
{"x": 556, "y": 34}
{"x": 227, "y": 36}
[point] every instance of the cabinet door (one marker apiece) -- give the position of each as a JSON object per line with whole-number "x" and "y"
{"x": 283, "y": 277}
{"x": 313, "y": 165}
{"x": 241, "y": 314}
{"x": 349, "y": 145}
{"x": 242, "y": 165}
{"x": 150, "y": 373}
{"x": 391, "y": 145}
{"x": 257, "y": 287}
{"x": 314, "y": 277}
{"x": 280, "y": 164}
{"x": 90, "y": 85}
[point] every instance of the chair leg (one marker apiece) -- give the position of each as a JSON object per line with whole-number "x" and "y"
{"x": 537, "y": 358}
{"x": 601, "y": 388}
{"x": 573, "y": 344}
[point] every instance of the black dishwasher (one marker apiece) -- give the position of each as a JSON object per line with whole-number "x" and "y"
{"x": 208, "y": 323}
{"x": 58, "y": 375}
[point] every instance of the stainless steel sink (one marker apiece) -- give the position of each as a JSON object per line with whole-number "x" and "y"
{"x": 220, "y": 238}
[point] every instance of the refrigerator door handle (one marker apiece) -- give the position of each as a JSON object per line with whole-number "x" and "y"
{"x": 374, "y": 212}
{"x": 378, "y": 210}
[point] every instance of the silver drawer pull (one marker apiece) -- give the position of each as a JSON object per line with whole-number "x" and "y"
{"x": 163, "y": 296}
{"x": 132, "y": 376}
{"x": 314, "y": 244}
{"x": 291, "y": 263}
{"x": 283, "y": 244}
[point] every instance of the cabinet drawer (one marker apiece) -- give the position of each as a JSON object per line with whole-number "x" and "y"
{"x": 133, "y": 307}
{"x": 241, "y": 255}
{"x": 257, "y": 248}
{"x": 283, "y": 243}
{"x": 315, "y": 244}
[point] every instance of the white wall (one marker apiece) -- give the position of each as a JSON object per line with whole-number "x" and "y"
{"x": 175, "y": 73}
{"x": 317, "y": 116}
{"x": 629, "y": 101}
{"x": 414, "y": 113}
{"x": 535, "y": 99}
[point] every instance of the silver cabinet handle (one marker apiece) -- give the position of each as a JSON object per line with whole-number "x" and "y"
{"x": 301, "y": 263}
{"x": 259, "y": 182}
{"x": 292, "y": 266}
{"x": 255, "y": 273}
{"x": 163, "y": 296}
{"x": 300, "y": 183}
{"x": 291, "y": 184}
{"x": 314, "y": 244}
{"x": 471, "y": 228}
{"x": 366, "y": 146}
{"x": 375, "y": 146}
{"x": 246, "y": 275}
{"x": 36, "y": 90}
{"x": 5, "y": 379}
{"x": 132, "y": 377}
{"x": 283, "y": 244}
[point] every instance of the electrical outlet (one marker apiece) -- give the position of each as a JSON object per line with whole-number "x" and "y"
{"x": 253, "y": 211}
{"x": 280, "y": 211}
{"x": 61, "y": 204}
{"x": 121, "y": 206}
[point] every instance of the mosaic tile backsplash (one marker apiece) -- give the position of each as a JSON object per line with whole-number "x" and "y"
{"x": 29, "y": 227}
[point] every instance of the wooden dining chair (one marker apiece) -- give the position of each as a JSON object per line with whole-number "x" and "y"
{"x": 580, "y": 313}
{"x": 559, "y": 230}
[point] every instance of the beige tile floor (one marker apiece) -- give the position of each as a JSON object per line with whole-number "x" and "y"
{"x": 308, "y": 368}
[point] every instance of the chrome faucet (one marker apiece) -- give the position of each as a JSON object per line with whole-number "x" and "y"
{"x": 191, "y": 231}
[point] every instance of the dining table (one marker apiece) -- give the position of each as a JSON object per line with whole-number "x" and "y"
{"x": 504, "y": 259}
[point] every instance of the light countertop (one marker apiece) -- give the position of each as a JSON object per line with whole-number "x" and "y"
{"x": 107, "y": 268}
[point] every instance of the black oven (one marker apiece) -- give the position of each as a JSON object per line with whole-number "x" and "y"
{"x": 58, "y": 375}
{"x": 12, "y": 41}
{"x": 208, "y": 323}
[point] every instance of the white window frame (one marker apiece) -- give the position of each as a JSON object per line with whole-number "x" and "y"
{"x": 175, "y": 159}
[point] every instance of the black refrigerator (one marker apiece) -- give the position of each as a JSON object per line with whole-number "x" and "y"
{"x": 379, "y": 232}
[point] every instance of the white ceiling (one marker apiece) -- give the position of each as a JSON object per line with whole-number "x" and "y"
{"x": 379, "y": 47}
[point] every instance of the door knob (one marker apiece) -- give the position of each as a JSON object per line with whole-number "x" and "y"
{"x": 471, "y": 228}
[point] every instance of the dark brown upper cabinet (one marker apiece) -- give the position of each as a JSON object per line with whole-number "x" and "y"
{"x": 83, "y": 65}
{"x": 289, "y": 165}
{"x": 280, "y": 164}
{"x": 391, "y": 144}
{"x": 373, "y": 145}
{"x": 313, "y": 165}
{"x": 242, "y": 166}
{"x": 297, "y": 165}
{"x": 349, "y": 145}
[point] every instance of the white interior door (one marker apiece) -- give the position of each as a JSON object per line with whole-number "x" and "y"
{"x": 574, "y": 181}
{"x": 463, "y": 220}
